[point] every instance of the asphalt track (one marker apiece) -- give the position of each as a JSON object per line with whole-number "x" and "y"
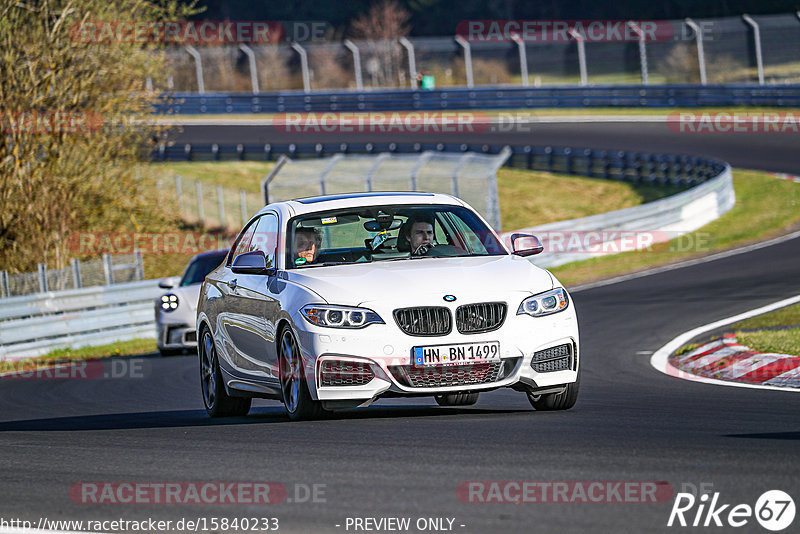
{"x": 406, "y": 458}
{"x": 776, "y": 152}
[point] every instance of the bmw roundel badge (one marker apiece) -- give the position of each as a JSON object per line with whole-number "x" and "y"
{"x": 450, "y": 298}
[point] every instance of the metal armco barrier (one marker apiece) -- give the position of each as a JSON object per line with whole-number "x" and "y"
{"x": 638, "y": 167}
{"x": 486, "y": 98}
{"x": 34, "y": 325}
{"x": 654, "y": 222}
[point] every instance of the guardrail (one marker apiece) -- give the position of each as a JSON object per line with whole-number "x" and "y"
{"x": 485, "y": 98}
{"x": 639, "y": 167}
{"x": 622, "y": 230}
{"x": 37, "y": 324}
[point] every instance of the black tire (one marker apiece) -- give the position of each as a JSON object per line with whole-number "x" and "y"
{"x": 457, "y": 399}
{"x": 166, "y": 353}
{"x": 294, "y": 389}
{"x": 216, "y": 400}
{"x": 557, "y": 401}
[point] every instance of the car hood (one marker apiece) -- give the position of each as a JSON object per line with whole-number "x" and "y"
{"x": 399, "y": 281}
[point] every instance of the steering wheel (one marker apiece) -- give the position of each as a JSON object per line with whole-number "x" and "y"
{"x": 424, "y": 249}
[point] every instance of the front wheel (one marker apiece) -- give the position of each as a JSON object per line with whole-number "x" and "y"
{"x": 217, "y": 401}
{"x": 557, "y": 401}
{"x": 294, "y": 388}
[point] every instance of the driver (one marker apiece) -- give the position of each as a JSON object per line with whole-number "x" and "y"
{"x": 419, "y": 234}
{"x": 307, "y": 242}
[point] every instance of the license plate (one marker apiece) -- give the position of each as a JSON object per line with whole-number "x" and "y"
{"x": 462, "y": 353}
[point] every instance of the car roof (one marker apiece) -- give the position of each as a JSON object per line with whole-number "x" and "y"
{"x": 358, "y": 200}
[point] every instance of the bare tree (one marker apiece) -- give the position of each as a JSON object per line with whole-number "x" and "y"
{"x": 381, "y": 27}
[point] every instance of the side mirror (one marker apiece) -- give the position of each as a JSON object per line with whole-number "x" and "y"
{"x": 253, "y": 262}
{"x": 530, "y": 242}
{"x": 169, "y": 283}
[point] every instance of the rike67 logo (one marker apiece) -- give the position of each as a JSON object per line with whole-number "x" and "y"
{"x": 774, "y": 510}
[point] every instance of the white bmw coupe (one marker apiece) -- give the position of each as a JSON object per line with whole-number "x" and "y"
{"x": 333, "y": 302}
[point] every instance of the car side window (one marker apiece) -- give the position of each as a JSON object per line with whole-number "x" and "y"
{"x": 243, "y": 243}
{"x": 265, "y": 237}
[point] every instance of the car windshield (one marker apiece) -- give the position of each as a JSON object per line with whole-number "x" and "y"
{"x": 199, "y": 267}
{"x": 387, "y": 233}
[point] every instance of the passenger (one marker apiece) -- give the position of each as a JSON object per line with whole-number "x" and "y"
{"x": 416, "y": 235}
{"x": 307, "y": 243}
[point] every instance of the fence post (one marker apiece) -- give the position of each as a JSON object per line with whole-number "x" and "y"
{"x": 4, "y": 284}
{"x": 76, "y": 273}
{"x": 42, "y": 269}
{"x": 467, "y": 58}
{"x": 179, "y": 193}
{"x": 198, "y": 68}
{"x": 462, "y": 162}
{"x": 642, "y": 50}
{"x": 327, "y": 170}
{"x": 412, "y": 63}
{"x": 421, "y": 161}
{"x": 374, "y": 168}
{"x": 757, "y": 40}
{"x": 304, "y": 66}
{"x": 251, "y": 56}
{"x": 221, "y": 205}
{"x": 243, "y": 205}
{"x": 350, "y": 45}
{"x": 271, "y": 176}
{"x": 581, "y": 55}
{"x": 107, "y": 271}
{"x": 523, "y": 58}
{"x": 137, "y": 254}
{"x": 198, "y": 186}
{"x": 701, "y": 56}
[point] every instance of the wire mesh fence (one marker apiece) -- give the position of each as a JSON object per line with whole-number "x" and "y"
{"x": 729, "y": 54}
{"x": 110, "y": 269}
{"x": 468, "y": 175}
{"x": 210, "y": 205}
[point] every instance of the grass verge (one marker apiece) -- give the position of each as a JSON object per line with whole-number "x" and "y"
{"x": 122, "y": 348}
{"x": 777, "y": 331}
{"x": 778, "y": 341}
{"x": 765, "y": 208}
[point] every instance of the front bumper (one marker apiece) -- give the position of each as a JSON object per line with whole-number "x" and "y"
{"x": 387, "y": 352}
{"x": 175, "y": 336}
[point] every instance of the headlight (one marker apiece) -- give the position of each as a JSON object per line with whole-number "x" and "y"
{"x": 169, "y": 302}
{"x": 545, "y": 303}
{"x": 340, "y": 316}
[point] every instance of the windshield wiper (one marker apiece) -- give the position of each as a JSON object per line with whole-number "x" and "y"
{"x": 329, "y": 263}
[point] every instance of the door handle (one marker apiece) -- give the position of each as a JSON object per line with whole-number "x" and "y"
{"x": 232, "y": 284}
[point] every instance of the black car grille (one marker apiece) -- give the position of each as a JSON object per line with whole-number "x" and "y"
{"x": 478, "y": 318}
{"x": 557, "y": 358}
{"x": 342, "y": 373}
{"x": 424, "y": 321}
{"x": 453, "y": 375}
